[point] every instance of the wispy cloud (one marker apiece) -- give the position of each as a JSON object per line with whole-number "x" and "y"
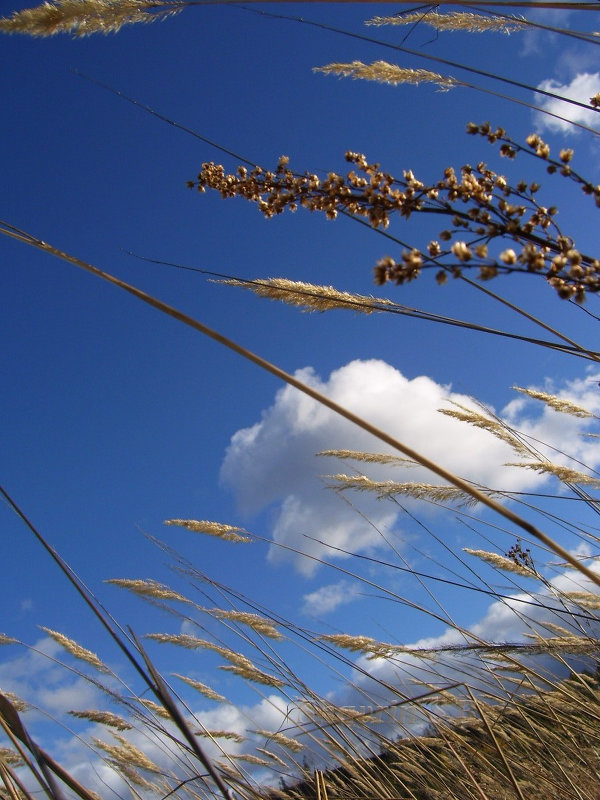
{"x": 330, "y": 597}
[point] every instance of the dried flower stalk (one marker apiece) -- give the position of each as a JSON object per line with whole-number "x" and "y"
{"x": 479, "y": 201}
{"x": 454, "y": 21}
{"x": 4, "y": 639}
{"x": 76, "y": 650}
{"x": 383, "y": 72}
{"x": 217, "y": 529}
{"x": 85, "y": 17}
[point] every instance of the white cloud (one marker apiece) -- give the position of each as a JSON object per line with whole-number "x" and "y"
{"x": 273, "y": 463}
{"x": 327, "y": 598}
{"x": 582, "y": 87}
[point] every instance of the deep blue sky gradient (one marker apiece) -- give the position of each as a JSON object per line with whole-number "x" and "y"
{"x": 116, "y": 417}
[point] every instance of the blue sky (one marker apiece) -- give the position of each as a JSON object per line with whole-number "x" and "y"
{"x": 116, "y": 418}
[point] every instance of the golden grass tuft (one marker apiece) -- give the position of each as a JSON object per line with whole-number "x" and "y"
{"x": 495, "y": 427}
{"x": 220, "y": 734}
{"x": 369, "y": 458}
{"x": 416, "y": 490}
{"x": 231, "y": 533}
{"x": 502, "y": 562}
{"x": 383, "y": 72}
{"x": 76, "y": 650}
{"x": 557, "y": 403}
{"x": 85, "y": 17}
{"x": 465, "y": 21}
{"x": 202, "y": 688}
{"x": 564, "y": 474}
{"x": 254, "y": 621}
{"x": 126, "y": 753}
{"x": 310, "y": 296}
{"x": 103, "y": 718}
{"x": 148, "y": 588}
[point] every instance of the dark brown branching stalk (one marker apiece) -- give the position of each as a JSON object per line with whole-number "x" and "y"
{"x": 484, "y": 209}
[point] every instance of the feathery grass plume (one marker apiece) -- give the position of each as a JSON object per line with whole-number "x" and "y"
{"x": 132, "y": 776}
{"x": 586, "y": 599}
{"x": 11, "y": 757}
{"x": 202, "y": 688}
{"x": 240, "y": 665}
{"x": 272, "y": 756}
{"x": 230, "y": 533}
{"x": 442, "y": 697}
{"x": 362, "y": 644}
{"x": 501, "y": 562}
{"x": 561, "y": 644}
{"x": 310, "y": 296}
{"x": 382, "y": 72}
{"x": 369, "y": 458}
{"x": 157, "y": 709}
{"x": 17, "y": 702}
{"x": 127, "y": 753}
{"x": 180, "y": 639}
{"x": 281, "y": 739}
{"x": 454, "y": 21}
{"x": 148, "y": 588}
{"x": 479, "y": 420}
{"x": 564, "y": 474}
{"x": 557, "y": 403}
{"x": 243, "y": 667}
{"x": 103, "y": 718}
{"x": 218, "y": 734}
{"x": 254, "y": 621}
{"x": 85, "y": 17}
{"x": 76, "y": 650}
{"x": 250, "y": 759}
{"x": 419, "y": 491}
{"x": 4, "y": 639}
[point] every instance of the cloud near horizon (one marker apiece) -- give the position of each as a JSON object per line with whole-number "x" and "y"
{"x": 581, "y": 88}
{"x": 273, "y": 463}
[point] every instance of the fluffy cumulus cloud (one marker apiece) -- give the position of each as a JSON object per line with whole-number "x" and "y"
{"x": 273, "y": 464}
{"x": 581, "y": 88}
